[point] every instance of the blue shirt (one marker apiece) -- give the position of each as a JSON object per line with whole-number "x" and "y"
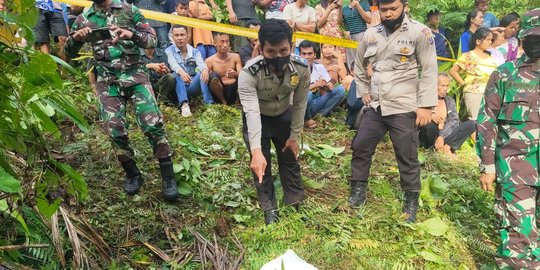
{"x": 48, "y": 5}
{"x": 440, "y": 42}
{"x": 490, "y": 20}
{"x": 353, "y": 20}
{"x": 465, "y": 40}
{"x": 192, "y": 64}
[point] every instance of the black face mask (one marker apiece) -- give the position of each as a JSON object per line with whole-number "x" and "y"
{"x": 391, "y": 24}
{"x": 531, "y": 48}
{"x": 278, "y": 62}
{"x": 99, "y": 2}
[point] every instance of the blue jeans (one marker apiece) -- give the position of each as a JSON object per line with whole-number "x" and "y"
{"x": 324, "y": 104}
{"x": 206, "y": 50}
{"x": 195, "y": 88}
{"x": 354, "y": 105}
{"x": 162, "y": 35}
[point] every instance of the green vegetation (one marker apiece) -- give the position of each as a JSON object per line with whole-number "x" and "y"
{"x": 62, "y": 205}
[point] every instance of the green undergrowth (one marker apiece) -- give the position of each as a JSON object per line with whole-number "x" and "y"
{"x": 454, "y": 229}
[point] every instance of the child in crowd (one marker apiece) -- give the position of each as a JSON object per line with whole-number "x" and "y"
{"x": 182, "y": 9}
{"x": 202, "y": 38}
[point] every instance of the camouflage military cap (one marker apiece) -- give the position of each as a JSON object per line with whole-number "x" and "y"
{"x": 530, "y": 23}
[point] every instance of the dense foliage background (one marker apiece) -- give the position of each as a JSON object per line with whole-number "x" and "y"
{"x": 62, "y": 206}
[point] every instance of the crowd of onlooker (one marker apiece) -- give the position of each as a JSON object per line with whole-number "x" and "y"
{"x": 189, "y": 61}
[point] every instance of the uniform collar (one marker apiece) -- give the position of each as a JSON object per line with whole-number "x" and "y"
{"x": 405, "y": 24}
{"x": 268, "y": 72}
{"x": 402, "y": 28}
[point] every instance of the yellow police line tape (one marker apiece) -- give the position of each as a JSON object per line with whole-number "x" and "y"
{"x": 235, "y": 30}
{"x": 223, "y": 28}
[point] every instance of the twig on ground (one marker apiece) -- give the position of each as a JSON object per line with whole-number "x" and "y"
{"x": 16, "y": 247}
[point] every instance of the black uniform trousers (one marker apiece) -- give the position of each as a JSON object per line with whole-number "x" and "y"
{"x": 429, "y": 134}
{"x": 404, "y": 137}
{"x": 277, "y": 130}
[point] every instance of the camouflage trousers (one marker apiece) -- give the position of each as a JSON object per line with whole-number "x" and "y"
{"x": 113, "y": 100}
{"x": 517, "y": 208}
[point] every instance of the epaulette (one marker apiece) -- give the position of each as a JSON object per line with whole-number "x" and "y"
{"x": 254, "y": 67}
{"x": 298, "y": 60}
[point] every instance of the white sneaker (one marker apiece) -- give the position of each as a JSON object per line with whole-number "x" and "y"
{"x": 186, "y": 112}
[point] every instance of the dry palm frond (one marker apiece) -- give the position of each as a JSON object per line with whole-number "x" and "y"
{"x": 80, "y": 259}
{"x": 86, "y": 231}
{"x": 16, "y": 247}
{"x": 219, "y": 257}
{"x": 57, "y": 239}
{"x": 160, "y": 253}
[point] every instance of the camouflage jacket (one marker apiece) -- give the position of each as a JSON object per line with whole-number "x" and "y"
{"x": 509, "y": 123}
{"x": 120, "y": 62}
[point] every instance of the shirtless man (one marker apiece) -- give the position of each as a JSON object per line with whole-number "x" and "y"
{"x": 224, "y": 68}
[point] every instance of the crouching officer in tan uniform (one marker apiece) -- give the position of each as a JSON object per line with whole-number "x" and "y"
{"x": 265, "y": 86}
{"x": 399, "y": 98}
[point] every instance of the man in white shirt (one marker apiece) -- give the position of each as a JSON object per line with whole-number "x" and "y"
{"x": 300, "y": 17}
{"x": 324, "y": 96}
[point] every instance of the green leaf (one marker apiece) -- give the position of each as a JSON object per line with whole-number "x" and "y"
{"x": 46, "y": 208}
{"x": 15, "y": 214}
{"x": 438, "y": 185}
{"x": 310, "y": 183}
{"x": 428, "y": 256}
{"x": 8, "y": 183}
{"x": 184, "y": 188}
{"x": 47, "y": 124}
{"x": 41, "y": 71}
{"x": 177, "y": 168}
{"x": 434, "y": 226}
{"x": 67, "y": 109}
{"x": 217, "y": 162}
{"x": 78, "y": 183}
{"x": 64, "y": 64}
{"x": 328, "y": 151}
{"x": 241, "y": 218}
{"x": 232, "y": 204}
{"x": 421, "y": 157}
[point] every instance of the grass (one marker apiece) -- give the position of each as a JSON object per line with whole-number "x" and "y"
{"x": 212, "y": 167}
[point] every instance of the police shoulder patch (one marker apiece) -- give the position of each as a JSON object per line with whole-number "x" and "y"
{"x": 254, "y": 65}
{"x": 428, "y": 35}
{"x": 296, "y": 59}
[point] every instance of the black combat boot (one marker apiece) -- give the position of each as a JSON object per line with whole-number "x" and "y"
{"x": 271, "y": 216}
{"x": 170, "y": 190}
{"x": 410, "y": 206}
{"x": 134, "y": 179}
{"x": 358, "y": 193}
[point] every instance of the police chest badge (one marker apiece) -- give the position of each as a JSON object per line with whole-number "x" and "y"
{"x": 372, "y": 41}
{"x": 405, "y": 51}
{"x": 294, "y": 80}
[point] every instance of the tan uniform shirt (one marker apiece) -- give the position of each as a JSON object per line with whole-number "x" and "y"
{"x": 262, "y": 92}
{"x": 404, "y": 68}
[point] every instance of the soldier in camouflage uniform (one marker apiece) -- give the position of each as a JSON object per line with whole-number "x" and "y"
{"x": 121, "y": 78}
{"x": 508, "y": 134}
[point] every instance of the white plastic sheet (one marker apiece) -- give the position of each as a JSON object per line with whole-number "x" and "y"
{"x": 288, "y": 261}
